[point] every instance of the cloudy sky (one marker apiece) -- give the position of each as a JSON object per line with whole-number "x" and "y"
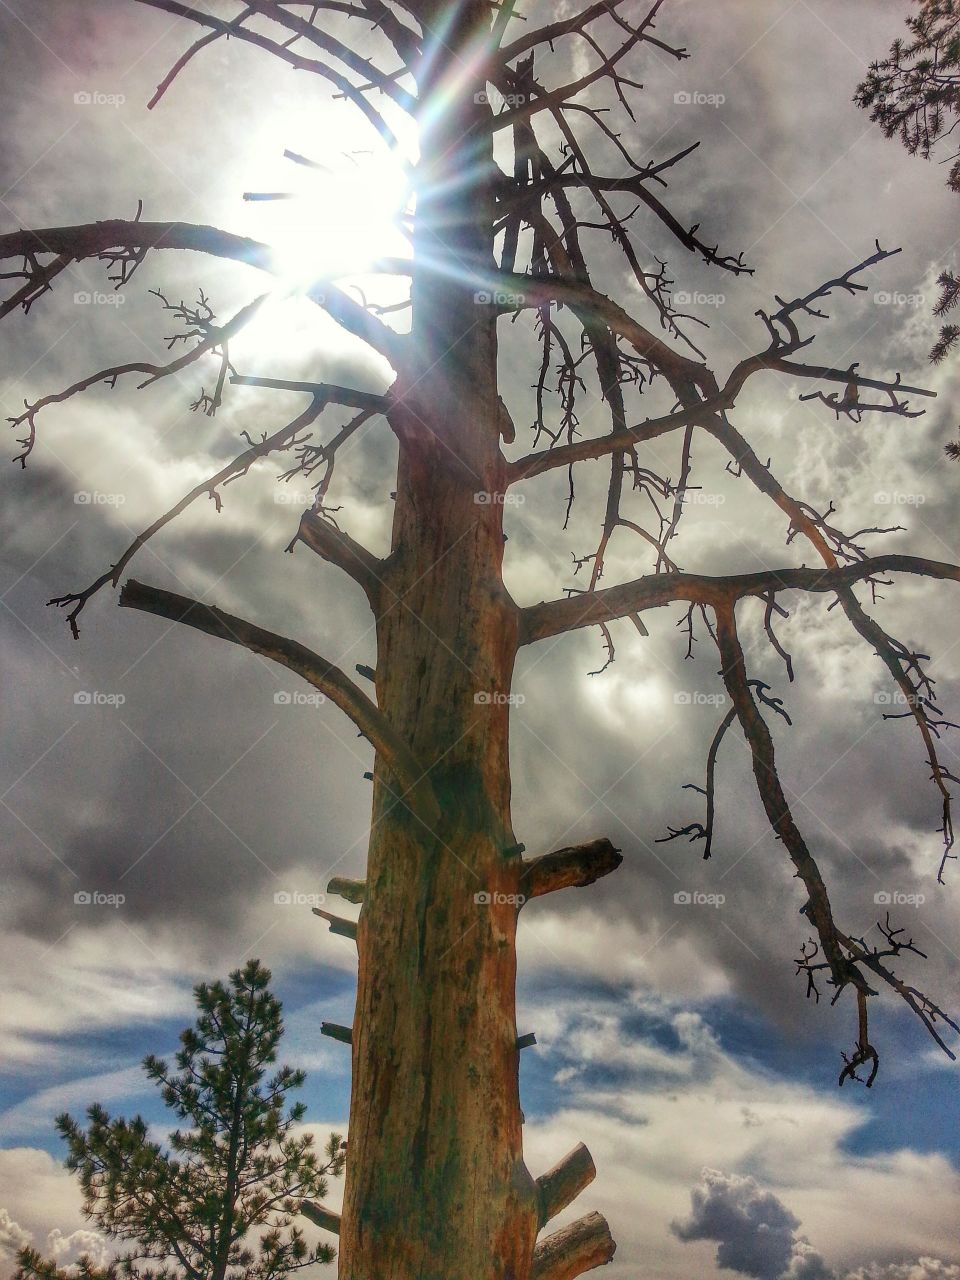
{"x": 673, "y": 1038}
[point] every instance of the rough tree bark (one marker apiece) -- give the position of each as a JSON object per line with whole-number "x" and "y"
{"x": 436, "y": 1184}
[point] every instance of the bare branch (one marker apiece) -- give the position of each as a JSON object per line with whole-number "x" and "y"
{"x": 338, "y": 924}
{"x": 656, "y": 590}
{"x": 317, "y": 671}
{"x": 235, "y": 29}
{"x": 704, "y": 831}
{"x": 352, "y": 890}
{"x": 772, "y": 796}
{"x": 321, "y": 1216}
{"x": 386, "y": 82}
{"x": 329, "y": 392}
{"x": 105, "y": 240}
{"x": 574, "y": 1249}
{"x": 702, "y": 401}
{"x": 406, "y": 42}
{"x": 337, "y": 1032}
{"x": 337, "y": 547}
{"x": 561, "y": 1185}
{"x": 902, "y": 665}
{"x": 37, "y": 281}
{"x": 570, "y": 868}
{"x": 606, "y": 68}
{"x": 843, "y": 956}
{"x": 282, "y": 439}
{"x": 211, "y": 339}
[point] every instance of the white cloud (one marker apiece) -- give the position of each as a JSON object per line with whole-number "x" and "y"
{"x": 923, "y": 1269}
{"x": 36, "y": 1192}
{"x": 66, "y": 1250}
{"x": 12, "y": 1235}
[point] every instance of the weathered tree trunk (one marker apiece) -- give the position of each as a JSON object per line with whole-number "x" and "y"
{"x": 436, "y": 1187}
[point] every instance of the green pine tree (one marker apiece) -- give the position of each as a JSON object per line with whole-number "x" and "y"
{"x": 218, "y": 1202}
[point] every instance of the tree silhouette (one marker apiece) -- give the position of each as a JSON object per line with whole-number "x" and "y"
{"x": 436, "y": 1183}
{"x": 235, "y": 1168}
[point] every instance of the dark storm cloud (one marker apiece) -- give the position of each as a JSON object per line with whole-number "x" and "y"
{"x": 756, "y": 1233}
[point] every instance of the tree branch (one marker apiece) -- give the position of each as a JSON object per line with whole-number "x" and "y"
{"x": 702, "y": 401}
{"x": 281, "y": 439}
{"x": 352, "y": 890}
{"x": 219, "y": 26}
{"x": 559, "y": 97}
{"x": 534, "y": 291}
{"x": 570, "y": 868}
{"x": 561, "y": 1185}
{"x": 895, "y": 657}
{"x": 775, "y": 804}
{"x": 344, "y": 928}
{"x": 556, "y": 30}
{"x": 212, "y": 339}
{"x": 329, "y": 1219}
{"x": 329, "y": 392}
{"x": 97, "y": 239}
{"x": 337, "y": 1032}
{"x": 572, "y": 1250}
{"x": 539, "y": 621}
{"x": 336, "y": 547}
{"x": 317, "y": 671}
{"x": 700, "y": 414}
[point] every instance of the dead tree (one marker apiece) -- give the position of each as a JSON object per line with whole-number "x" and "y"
{"x": 436, "y": 1183}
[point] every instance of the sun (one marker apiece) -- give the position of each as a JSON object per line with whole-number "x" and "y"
{"x": 329, "y": 216}
{"x": 329, "y": 213}
{"x": 338, "y": 222}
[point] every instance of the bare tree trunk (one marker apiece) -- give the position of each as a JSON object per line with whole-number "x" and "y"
{"x": 436, "y": 1185}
